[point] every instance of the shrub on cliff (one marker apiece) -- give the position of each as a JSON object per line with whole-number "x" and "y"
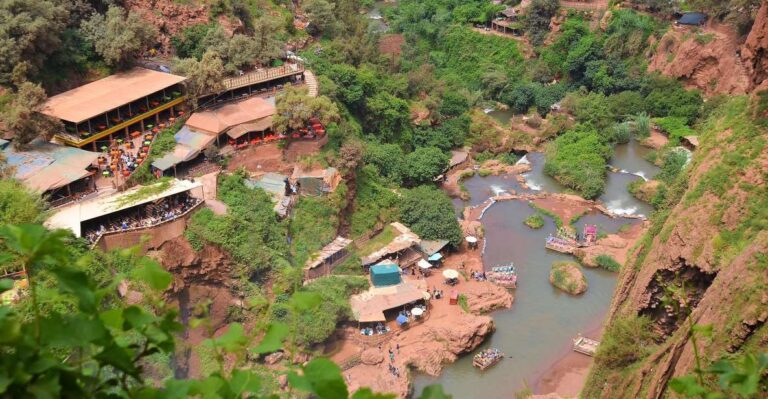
{"x": 627, "y": 340}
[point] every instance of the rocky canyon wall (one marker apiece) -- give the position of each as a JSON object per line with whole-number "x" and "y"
{"x": 705, "y": 256}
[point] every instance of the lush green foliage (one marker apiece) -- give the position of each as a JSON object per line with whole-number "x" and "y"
{"x": 375, "y": 203}
{"x": 578, "y": 159}
{"x": 674, "y": 162}
{"x": 119, "y": 36}
{"x": 99, "y": 347}
{"x": 314, "y": 224}
{"x": 534, "y": 221}
{"x": 316, "y": 324}
{"x": 538, "y": 17}
{"x": 430, "y": 214}
{"x": 19, "y": 205}
{"x": 249, "y": 231}
{"x": 607, "y": 262}
{"x": 626, "y": 340}
{"x": 424, "y": 164}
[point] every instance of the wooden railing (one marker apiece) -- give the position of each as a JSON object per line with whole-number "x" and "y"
{"x": 262, "y": 75}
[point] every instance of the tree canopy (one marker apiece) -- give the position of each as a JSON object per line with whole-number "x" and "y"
{"x": 430, "y": 214}
{"x": 119, "y": 36}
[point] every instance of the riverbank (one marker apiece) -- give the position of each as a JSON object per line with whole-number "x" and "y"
{"x": 447, "y": 332}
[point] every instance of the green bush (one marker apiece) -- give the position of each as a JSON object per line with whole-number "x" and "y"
{"x": 627, "y": 340}
{"x": 430, "y": 214}
{"x": 578, "y": 160}
{"x": 249, "y": 231}
{"x": 608, "y": 263}
{"x": 534, "y": 221}
{"x": 314, "y": 224}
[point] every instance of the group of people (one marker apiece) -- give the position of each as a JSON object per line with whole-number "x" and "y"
{"x": 478, "y": 276}
{"x": 379, "y": 329}
{"x": 437, "y": 294}
{"x": 487, "y": 357}
{"x": 168, "y": 210}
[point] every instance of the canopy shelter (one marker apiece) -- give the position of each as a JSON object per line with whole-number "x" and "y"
{"x": 189, "y": 144}
{"x": 404, "y": 241}
{"x": 450, "y": 274}
{"x": 423, "y": 264}
{"x": 416, "y": 311}
{"x": 46, "y": 166}
{"x": 692, "y": 18}
{"x": 71, "y": 217}
{"x": 96, "y": 98}
{"x": 323, "y": 262}
{"x": 401, "y": 319}
{"x": 430, "y": 247}
{"x": 436, "y": 257}
{"x": 256, "y": 112}
{"x": 370, "y": 305}
{"x": 385, "y": 274}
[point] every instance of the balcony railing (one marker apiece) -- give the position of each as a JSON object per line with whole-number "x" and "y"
{"x": 262, "y": 75}
{"x": 79, "y": 142}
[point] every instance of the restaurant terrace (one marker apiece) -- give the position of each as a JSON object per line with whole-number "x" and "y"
{"x": 96, "y": 113}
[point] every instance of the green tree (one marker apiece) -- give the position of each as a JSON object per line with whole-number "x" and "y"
{"x": 430, "y": 214}
{"x": 203, "y": 77}
{"x": 24, "y": 119}
{"x": 538, "y": 17}
{"x": 119, "y": 36}
{"x": 30, "y": 31}
{"x": 387, "y": 116}
{"x": 424, "y": 164}
{"x": 19, "y": 205}
{"x": 321, "y": 15}
{"x": 295, "y": 107}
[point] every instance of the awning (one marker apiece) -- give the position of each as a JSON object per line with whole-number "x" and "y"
{"x": 435, "y": 257}
{"x": 450, "y": 274}
{"x": 168, "y": 161}
{"x": 424, "y": 264}
{"x": 256, "y": 126}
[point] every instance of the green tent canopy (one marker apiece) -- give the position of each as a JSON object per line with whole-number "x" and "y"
{"x": 386, "y": 274}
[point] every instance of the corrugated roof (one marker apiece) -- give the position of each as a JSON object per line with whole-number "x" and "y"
{"x": 71, "y": 216}
{"x": 429, "y": 247}
{"x": 256, "y": 126}
{"x": 193, "y": 139}
{"x": 329, "y": 250}
{"x": 273, "y": 183}
{"x": 47, "y": 166}
{"x": 220, "y": 119}
{"x": 371, "y": 305}
{"x": 96, "y": 98}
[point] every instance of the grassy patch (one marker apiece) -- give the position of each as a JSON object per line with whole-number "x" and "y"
{"x": 555, "y": 218}
{"x": 463, "y": 303}
{"x": 608, "y": 263}
{"x": 534, "y": 221}
{"x": 484, "y": 172}
{"x": 378, "y": 241}
{"x": 143, "y": 193}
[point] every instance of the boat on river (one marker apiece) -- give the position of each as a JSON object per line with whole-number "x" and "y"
{"x": 505, "y": 276}
{"x": 487, "y": 358}
{"x": 585, "y": 345}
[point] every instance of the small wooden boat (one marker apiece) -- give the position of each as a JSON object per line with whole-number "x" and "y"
{"x": 487, "y": 358}
{"x": 585, "y": 345}
{"x": 505, "y": 276}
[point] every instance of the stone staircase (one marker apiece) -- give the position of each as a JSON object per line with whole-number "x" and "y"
{"x": 311, "y": 81}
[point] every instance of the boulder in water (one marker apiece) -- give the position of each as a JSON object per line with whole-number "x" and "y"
{"x": 568, "y": 277}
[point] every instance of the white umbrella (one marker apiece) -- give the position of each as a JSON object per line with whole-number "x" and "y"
{"x": 450, "y": 274}
{"x": 417, "y": 311}
{"x": 471, "y": 239}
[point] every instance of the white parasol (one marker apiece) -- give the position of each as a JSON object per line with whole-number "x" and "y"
{"x": 471, "y": 239}
{"x": 417, "y": 311}
{"x": 450, "y": 274}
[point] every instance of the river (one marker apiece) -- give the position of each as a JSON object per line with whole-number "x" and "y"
{"x": 538, "y": 329}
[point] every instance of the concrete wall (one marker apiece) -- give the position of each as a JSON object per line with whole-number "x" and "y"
{"x": 155, "y": 236}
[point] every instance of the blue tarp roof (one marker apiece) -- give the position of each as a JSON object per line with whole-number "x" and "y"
{"x": 435, "y": 257}
{"x": 401, "y": 320}
{"x": 692, "y": 18}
